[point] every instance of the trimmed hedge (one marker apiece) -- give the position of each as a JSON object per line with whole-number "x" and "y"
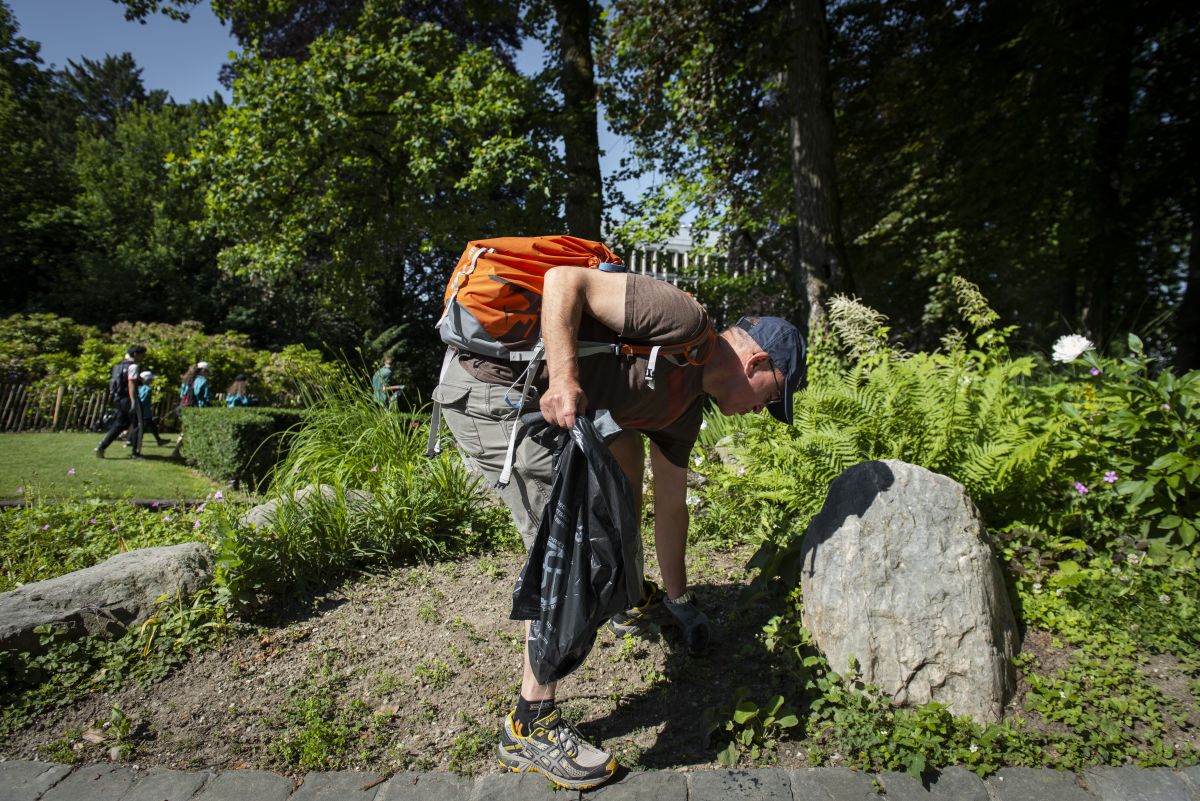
{"x": 240, "y": 444}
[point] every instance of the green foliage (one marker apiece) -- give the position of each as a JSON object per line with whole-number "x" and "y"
{"x": 32, "y": 686}
{"x": 372, "y": 160}
{"x": 472, "y": 746}
{"x": 1124, "y": 602}
{"x": 964, "y": 413}
{"x": 753, "y": 731}
{"x": 35, "y": 345}
{"x": 355, "y": 489}
{"x": 44, "y": 540}
{"x": 51, "y": 351}
{"x": 315, "y": 733}
{"x": 1132, "y": 472}
{"x": 1113, "y": 614}
{"x": 239, "y": 445}
{"x": 1020, "y": 441}
{"x": 140, "y": 255}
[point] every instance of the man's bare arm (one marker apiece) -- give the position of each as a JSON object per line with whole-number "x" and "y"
{"x": 568, "y": 294}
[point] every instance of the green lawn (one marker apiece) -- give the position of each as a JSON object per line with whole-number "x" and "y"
{"x": 41, "y": 465}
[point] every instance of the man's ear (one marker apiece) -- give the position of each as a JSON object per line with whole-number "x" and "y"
{"x": 754, "y": 361}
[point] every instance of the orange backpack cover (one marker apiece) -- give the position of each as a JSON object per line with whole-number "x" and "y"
{"x": 493, "y": 303}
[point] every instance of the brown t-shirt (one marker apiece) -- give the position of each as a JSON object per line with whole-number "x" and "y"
{"x": 656, "y": 313}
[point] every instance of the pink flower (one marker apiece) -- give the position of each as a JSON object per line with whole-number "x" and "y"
{"x": 1166, "y": 407}
{"x": 70, "y": 471}
{"x": 200, "y": 508}
{"x": 46, "y": 527}
{"x": 92, "y": 521}
{"x": 1110, "y": 477}
{"x": 1095, "y": 371}
{"x": 374, "y": 468}
{"x": 166, "y": 518}
{"x": 1080, "y": 488}
{"x": 20, "y": 490}
{"x": 196, "y": 524}
{"x": 218, "y": 497}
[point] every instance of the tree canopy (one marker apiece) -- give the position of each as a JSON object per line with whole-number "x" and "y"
{"x": 1042, "y": 150}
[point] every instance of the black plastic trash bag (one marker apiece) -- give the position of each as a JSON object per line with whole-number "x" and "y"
{"x": 585, "y": 565}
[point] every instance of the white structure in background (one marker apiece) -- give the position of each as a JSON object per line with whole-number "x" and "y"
{"x": 669, "y": 260}
{"x": 675, "y": 260}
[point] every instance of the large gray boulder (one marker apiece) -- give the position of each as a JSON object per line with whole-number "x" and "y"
{"x": 106, "y": 599}
{"x": 263, "y": 515}
{"x": 898, "y": 574}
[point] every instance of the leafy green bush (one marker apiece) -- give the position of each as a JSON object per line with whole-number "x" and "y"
{"x": 241, "y": 444}
{"x": 354, "y": 489}
{"x": 50, "y": 350}
{"x": 1131, "y": 476}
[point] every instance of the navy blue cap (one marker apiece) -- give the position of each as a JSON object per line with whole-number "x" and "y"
{"x": 785, "y": 346}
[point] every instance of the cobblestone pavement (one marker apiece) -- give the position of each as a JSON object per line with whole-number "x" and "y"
{"x": 22, "y": 780}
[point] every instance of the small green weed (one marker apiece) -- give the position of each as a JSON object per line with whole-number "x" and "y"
{"x": 435, "y": 672}
{"x": 469, "y": 748}
{"x": 315, "y": 734}
{"x": 753, "y": 730}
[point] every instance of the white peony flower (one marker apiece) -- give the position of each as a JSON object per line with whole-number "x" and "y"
{"x": 1070, "y": 347}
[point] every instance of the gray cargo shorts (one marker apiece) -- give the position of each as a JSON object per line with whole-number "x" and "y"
{"x": 482, "y": 420}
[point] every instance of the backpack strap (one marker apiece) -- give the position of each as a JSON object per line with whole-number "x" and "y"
{"x": 460, "y": 278}
{"x": 538, "y": 356}
{"x": 433, "y": 447}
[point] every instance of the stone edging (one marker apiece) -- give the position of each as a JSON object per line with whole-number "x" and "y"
{"x": 22, "y": 780}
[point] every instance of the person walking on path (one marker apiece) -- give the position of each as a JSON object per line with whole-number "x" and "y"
{"x": 146, "y": 401}
{"x": 201, "y": 389}
{"x": 756, "y": 364}
{"x": 381, "y": 383}
{"x": 122, "y": 390}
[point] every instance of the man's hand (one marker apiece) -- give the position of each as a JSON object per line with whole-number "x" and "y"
{"x": 563, "y": 400}
{"x": 693, "y": 624}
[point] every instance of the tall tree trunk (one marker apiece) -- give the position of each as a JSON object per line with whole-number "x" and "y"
{"x": 1187, "y": 337}
{"x": 819, "y": 269}
{"x": 1106, "y": 252}
{"x": 581, "y": 140}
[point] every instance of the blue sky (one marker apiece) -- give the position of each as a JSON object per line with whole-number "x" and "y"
{"x": 183, "y": 58}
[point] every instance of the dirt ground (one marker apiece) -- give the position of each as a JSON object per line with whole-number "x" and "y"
{"x": 412, "y": 670}
{"x": 418, "y": 659}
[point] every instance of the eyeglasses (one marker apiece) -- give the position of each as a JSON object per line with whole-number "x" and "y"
{"x": 774, "y": 377}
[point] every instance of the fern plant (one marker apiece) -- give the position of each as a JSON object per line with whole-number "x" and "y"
{"x": 966, "y": 412}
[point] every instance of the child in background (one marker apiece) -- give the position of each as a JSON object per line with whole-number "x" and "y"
{"x": 145, "y": 398}
{"x": 238, "y": 393}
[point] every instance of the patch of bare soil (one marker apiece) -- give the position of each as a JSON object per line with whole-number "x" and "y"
{"x": 415, "y": 668}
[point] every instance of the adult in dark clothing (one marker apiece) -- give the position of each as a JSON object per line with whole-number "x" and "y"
{"x": 123, "y": 388}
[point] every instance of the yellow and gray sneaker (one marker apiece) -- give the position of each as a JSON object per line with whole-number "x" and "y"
{"x": 648, "y": 617}
{"x": 555, "y": 749}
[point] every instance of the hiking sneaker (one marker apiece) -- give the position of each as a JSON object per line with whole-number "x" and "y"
{"x": 648, "y": 617}
{"x": 555, "y": 749}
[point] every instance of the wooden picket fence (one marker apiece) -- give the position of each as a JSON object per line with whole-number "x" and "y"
{"x": 25, "y": 407}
